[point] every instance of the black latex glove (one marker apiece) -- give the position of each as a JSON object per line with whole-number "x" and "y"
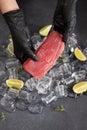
{"x": 64, "y": 19}
{"x": 23, "y": 48}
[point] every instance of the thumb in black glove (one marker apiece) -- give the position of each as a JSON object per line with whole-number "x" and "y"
{"x": 23, "y": 48}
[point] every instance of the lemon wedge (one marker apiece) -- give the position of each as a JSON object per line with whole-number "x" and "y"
{"x": 79, "y": 54}
{"x": 45, "y": 30}
{"x": 10, "y": 49}
{"x": 80, "y": 87}
{"x": 15, "y": 83}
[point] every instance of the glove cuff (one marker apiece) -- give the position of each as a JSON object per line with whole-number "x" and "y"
{"x": 14, "y": 18}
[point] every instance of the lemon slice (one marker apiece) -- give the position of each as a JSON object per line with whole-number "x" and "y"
{"x": 45, "y": 30}
{"x": 10, "y": 49}
{"x": 79, "y": 54}
{"x": 15, "y": 83}
{"x": 80, "y": 87}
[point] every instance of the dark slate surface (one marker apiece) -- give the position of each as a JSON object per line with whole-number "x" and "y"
{"x": 39, "y": 13}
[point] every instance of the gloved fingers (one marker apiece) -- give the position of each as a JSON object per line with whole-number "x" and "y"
{"x": 24, "y": 54}
{"x": 19, "y": 56}
{"x": 30, "y": 54}
{"x": 64, "y": 38}
{"x": 21, "y": 59}
{"x": 32, "y": 48}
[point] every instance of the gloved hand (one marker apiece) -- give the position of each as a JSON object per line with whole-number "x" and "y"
{"x": 64, "y": 19}
{"x": 23, "y": 48}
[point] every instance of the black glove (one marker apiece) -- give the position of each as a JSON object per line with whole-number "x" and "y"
{"x": 64, "y": 19}
{"x": 23, "y": 48}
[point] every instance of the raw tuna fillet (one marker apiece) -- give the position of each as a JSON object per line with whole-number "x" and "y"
{"x": 47, "y": 53}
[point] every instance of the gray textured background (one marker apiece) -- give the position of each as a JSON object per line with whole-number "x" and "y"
{"x": 37, "y": 14}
